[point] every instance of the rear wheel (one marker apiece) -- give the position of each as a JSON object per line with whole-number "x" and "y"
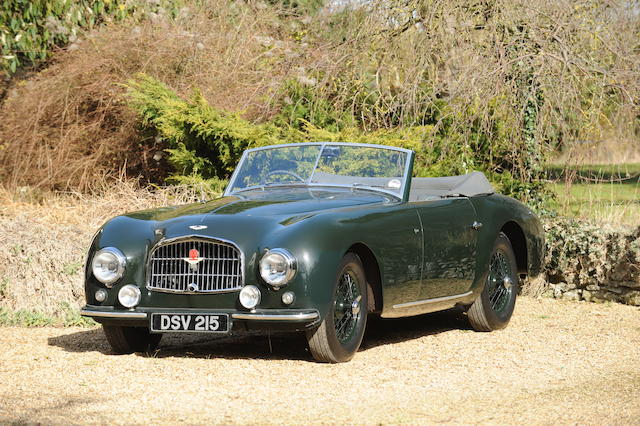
{"x": 340, "y": 333}
{"x": 127, "y": 340}
{"x": 492, "y": 310}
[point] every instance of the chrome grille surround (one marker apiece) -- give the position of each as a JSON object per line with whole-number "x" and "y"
{"x": 220, "y": 270}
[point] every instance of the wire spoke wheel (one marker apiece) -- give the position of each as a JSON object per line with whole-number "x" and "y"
{"x": 493, "y": 308}
{"x": 340, "y": 332}
{"x": 500, "y": 281}
{"x": 346, "y": 307}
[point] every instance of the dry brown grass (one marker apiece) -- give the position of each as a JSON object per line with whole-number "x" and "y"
{"x": 44, "y": 238}
{"x": 89, "y": 211}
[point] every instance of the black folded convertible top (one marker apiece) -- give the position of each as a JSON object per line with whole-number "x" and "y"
{"x": 469, "y": 185}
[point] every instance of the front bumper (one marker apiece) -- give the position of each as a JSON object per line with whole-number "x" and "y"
{"x": 267, "y": 319}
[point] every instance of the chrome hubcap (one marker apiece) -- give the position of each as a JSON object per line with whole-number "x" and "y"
{"x": 355, "y": 306}
{"x": 507, "y": 283}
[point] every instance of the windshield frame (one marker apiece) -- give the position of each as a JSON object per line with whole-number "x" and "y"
{"x": 402, "y": 194}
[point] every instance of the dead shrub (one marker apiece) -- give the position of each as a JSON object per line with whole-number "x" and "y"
{"x": 68, "y": 126}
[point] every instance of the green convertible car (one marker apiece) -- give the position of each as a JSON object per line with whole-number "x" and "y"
{"x": 312, "y": 238}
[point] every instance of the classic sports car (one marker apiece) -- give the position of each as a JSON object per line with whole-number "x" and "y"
{"x": 312, "y": 238}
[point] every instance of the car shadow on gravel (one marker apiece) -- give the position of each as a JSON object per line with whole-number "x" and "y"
{"x": 91, "y": 340}
{"x": 382, "y": 331}
{"x": 289, "y": 346}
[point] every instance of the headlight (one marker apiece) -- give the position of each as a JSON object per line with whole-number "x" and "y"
{"x": 129, "y": 296}
{"x": 108, "y": 265}
{"x": 278, "y": 267}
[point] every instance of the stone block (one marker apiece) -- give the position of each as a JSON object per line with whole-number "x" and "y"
{"x": 571, "y": 295}
{"x": 632, "y": 298}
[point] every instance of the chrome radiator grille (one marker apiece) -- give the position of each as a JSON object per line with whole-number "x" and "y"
{"x": 195, "y": 265}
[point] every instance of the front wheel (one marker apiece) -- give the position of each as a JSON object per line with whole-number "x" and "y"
{"x": 492, "y": 310}
{"x": 340, "y": 333}
{"x": 127, "y": 340}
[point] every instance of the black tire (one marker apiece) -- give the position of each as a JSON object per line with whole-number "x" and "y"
{"x": 127, "y": 340}
{"x": 325, "y": 342}
{"x": 492, "y": 310}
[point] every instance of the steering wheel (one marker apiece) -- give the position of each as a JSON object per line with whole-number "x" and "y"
{"x": 282, "y": 172}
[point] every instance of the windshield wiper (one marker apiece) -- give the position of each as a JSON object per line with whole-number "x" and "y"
{"x": 266, "y": 184}
{"x": 262, "y": 186}
{"x": 355, "y": 185}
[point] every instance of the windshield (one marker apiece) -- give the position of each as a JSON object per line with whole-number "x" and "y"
{"x": 332, "y": 164}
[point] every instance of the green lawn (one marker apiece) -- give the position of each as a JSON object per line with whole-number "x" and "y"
{"x": 609, "y": 193}
{"x": 624, "y": 173}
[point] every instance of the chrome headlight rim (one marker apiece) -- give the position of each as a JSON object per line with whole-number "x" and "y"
{"x": 290, "y": 261}
{"x": 122, "y": 264}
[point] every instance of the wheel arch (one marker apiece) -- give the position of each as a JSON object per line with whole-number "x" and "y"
{"x": 372, "y": 274}
{"x": 516, "y": 236}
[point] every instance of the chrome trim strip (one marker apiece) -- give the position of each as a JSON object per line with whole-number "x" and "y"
{"x": 321, "y": 185}
{"x": 208, "y": 238}
{"x": 436, "y": 300}
{"x": 301, "y": 316}
{"x": 366, "y": 145}
{"x": 113, "y": 314}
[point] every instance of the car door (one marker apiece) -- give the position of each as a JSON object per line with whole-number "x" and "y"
{"x": 394, "y": 236}
{"x": 449, "y": 246}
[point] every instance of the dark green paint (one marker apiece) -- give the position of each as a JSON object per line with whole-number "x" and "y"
{"x": 449, "y": 246}
{"x": 424, "y": 250}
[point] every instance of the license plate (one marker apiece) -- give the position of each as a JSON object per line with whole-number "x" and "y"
{"x": 198, "y": 323}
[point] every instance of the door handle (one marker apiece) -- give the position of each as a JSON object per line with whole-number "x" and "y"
{"x": 476, "y": 225}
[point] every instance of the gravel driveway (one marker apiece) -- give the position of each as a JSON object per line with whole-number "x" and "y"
{"x": 563, "y": 362}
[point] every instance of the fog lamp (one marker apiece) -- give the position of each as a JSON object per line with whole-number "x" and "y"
{"x": 129, "y": 296}
{"x": 250, "y": 296}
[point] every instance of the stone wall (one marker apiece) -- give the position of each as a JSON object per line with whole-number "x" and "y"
{"x": 592, "y": 263}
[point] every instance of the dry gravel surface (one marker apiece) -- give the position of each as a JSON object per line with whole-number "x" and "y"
{"x": 557, "y": 362}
